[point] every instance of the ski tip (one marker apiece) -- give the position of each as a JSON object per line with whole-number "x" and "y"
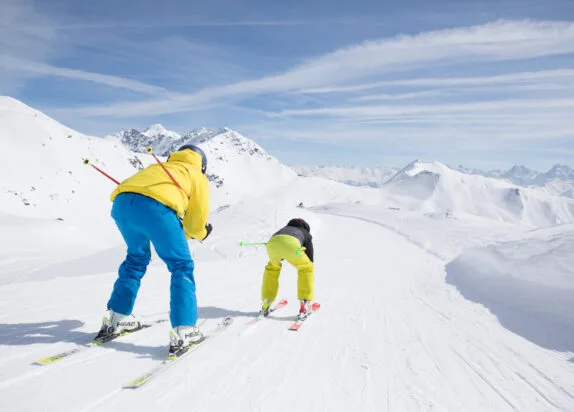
{"x": 136, "y": 383}
{"x": 48, "y": 360}
{"x": 315, "y": 306}
{"x": 295, "y": 326}
{"x": 283, "y": 302}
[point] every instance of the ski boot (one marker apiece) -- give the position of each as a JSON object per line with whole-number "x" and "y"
{"x": 115, "y": 324}
{"x": 181, "y": 338}
{"x": 266, "y": 307}
{"x": 304, "y": 309}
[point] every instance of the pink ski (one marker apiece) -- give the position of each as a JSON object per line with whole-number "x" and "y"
{"x": 297, "y": 325}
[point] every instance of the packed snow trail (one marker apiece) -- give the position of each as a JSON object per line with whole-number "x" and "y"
{"x": 391, "y": 335}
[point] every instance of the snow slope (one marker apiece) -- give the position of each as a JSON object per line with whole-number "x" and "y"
{"x": 527, "y": 283}
{"x": 239, "y": 166}
{"x": 47, "y": 177}
{"x": 391, "y": 335}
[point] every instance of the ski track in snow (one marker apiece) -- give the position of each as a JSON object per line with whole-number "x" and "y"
{"x": 391, "y": 335}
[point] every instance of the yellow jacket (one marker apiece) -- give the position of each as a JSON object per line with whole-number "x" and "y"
{"x": 153, "y": 181}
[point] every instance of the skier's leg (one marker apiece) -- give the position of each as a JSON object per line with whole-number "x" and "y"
{"x": 306, "y": 273}
{"x": 138, "y": 256}
{"x": 305, "y": 279}
{"x": 169, "y": 241}
{"x": 270, "y": 285}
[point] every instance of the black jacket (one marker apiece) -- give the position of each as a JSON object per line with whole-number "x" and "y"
{"x": 299, "y": 229}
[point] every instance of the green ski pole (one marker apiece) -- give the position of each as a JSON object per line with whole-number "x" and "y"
{"x": 252, "y": 243}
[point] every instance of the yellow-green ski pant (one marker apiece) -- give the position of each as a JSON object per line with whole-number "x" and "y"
{"x": 288, "y": 247}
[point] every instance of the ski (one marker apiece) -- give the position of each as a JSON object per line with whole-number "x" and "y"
{"x": 49, "y": 360}
{"x": 299, "y": 322}
{"x": 172, "y": 359}
{"x": 280, "y": 305}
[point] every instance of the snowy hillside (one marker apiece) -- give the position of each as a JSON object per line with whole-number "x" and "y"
{"x": 437, "y": 189}
{"x": 237, "y": 165}
{"x": 47, "y": 176}
{"x": 354, "y": 176}
{"x": 528, "y": 284}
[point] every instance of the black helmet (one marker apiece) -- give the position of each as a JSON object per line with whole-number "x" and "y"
{"x": 300, "y": 223}
{"x": 196, "y": 149}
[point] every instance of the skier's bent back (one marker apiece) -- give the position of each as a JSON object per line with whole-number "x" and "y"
{"x": 163, "y": 204}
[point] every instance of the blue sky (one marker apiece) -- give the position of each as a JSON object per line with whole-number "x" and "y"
{"x": 484, "y": 83}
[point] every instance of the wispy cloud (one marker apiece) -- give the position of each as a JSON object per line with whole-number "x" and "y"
{"x": 43, "y": 69}
{"x": 498, "y": 41}
{"x": 24, "y": 34}
{"x": 380, "y": 111}
{"x": 213, "y": 23}
{"x": 30, "y": 39}
{"x": 400, "y": 96}
{"x": 564, "y": 75}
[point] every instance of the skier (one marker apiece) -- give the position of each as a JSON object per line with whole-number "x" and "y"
{"x": 294, "y": 244}
{"x": 163, "y": 204}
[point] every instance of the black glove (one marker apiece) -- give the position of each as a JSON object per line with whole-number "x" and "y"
{"x": 209, "y": 228}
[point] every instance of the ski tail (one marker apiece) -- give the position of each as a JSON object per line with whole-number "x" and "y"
{"x": 172, "y": 359}
{"x": 280, "y": 305}
{"x": 97, "y": 341}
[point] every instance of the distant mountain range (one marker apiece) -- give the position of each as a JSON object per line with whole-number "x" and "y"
{"x": 558, "y": 180}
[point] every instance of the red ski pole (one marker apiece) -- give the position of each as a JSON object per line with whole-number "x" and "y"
{"x": 87, "y": 162}
{"x": 150, "y": 151}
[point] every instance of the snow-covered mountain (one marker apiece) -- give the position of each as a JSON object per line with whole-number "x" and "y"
{"x": 557, "y": 172}
{"x": 157, "y": 130}
{"x": 559, "y": 180}
{"x": 519, "y": 175}
{"x": 156, "y": 136}
{"x": 354, "y": 176}
{"x": 49, "y": 178}
{"x": 237, "y": 165}
{"x": 437, "y": 189}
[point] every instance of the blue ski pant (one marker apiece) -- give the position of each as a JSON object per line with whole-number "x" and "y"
{"x": 142, "y": 220}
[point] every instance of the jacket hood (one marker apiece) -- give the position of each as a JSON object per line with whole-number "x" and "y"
{"x": 300, "y": 223}
{"x": 186, "y": 156}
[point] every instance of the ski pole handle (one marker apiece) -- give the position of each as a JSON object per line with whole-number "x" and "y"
{"x": 87, "y": 162}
